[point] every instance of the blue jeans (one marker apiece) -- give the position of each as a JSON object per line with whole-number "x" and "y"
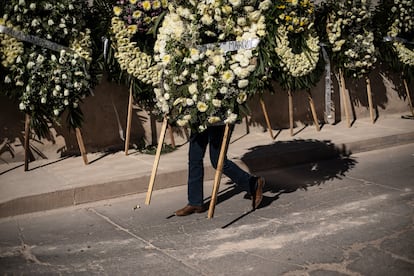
{"x": 198, "y": 145}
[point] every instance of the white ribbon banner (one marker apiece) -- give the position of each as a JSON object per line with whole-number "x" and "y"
{"x": 230, "y": 46}
{"x": 329, "y": 106}
{"x": 33, "y": 39}
{"x": 396, "y": 38}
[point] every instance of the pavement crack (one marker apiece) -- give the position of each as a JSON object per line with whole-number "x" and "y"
{"x": 367, "y": 182}
{"x": 149, "y": 244}
{"x": 26, "y": 251}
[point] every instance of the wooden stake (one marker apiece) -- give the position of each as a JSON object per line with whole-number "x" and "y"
{"x": 247, "y": 125}
{"x": 369, "y": 94}
{"x": 269, "y": 126}
{"x": 219, "y": 171}
{"x": 410, "y": 103}
{"x": 26, "y": 142}
{"x": 313, "y": 109}
{"x": 290, "y": 112}
{"x": 156, "y": 161}
{"x": 81, "y": 146}
{"x": 129, "y": 119}
{"x": 344, "y": 98}
{"x": 172, "y": 136}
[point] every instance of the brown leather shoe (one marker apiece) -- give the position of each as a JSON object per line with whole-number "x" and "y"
{"x": 258, "y": 193}
{"x": 188, "y": 210}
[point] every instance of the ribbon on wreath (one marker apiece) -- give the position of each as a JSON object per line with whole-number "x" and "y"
{"x": 105, "y": 41}
{"x": 230, "y": 46}
{"x": 34, "y": 39}
{"x": 329, "y": 107}
{"x": 398, "y": 39}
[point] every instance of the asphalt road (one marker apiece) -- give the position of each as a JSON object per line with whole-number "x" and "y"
{"x": 353, "y": 215}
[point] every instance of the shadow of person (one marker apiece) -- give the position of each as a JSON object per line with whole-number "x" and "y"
{"x": 292, "y": 165}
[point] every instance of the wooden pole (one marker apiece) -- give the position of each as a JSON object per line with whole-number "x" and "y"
{"x": 369, "y": 94}
{"x": 219, "y": 171}
{"x": 344, "y": 98}
{"x": 129, "y": 119}
{"x": 313, "y": 109}
{"x": 81, "y": 145}
{"x": 172, "y": 136}
{"x": 269, "y": 126}
{"x": 290, "y": 112}
{"x": 247, "y": 125}
{"x": 156, "y": 161}
{"x": 26, "y": 142}
{"x": 410, "y": 103}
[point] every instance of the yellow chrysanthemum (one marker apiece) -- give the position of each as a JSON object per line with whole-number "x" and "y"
{"x": 147, "y": 20}
{"x": 156, "y": 4}
{"x": 146, "y": 5}
{"x": 117, "y": 10}
{"x": 132, "y": 29}
{"x": 133, "y": 1}
{"x": 137, "y": 14}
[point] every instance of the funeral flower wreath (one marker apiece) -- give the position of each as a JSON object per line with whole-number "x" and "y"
{"x": 204, "y": 81}
{"x": 296, "y": 49}
{"x": 402, "y": 12}
{"x": 47, "y": 81}
{"x": 131, "y": 19}
{"x": 351, "y": 37}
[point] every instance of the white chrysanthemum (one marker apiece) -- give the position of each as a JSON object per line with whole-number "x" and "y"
{"x": 192, "y": 88}
{"x": 227, "y": 76}
{"x": 231, "y": 118}
{"x": 242, "y": 83}
{"x": 202, "y": 107}
{"x": 216, "y": 102}
{"x": 235, "y": 3}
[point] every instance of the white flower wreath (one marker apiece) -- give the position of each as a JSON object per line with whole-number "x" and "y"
{"x": 348, "y": 33}
{"x": 203, "y": 84}
{"x": 301, "y": 64}
{"x": 402, "y": 23}
{"x": 134, "y": 18}
{"x": 36, "y": 71}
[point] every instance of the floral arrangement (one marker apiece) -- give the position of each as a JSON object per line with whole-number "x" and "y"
{"x": 395, "y": 28}
{"x": 133, "y": 30}
{"x": 296, "y": 44}
{"x": 351, "y": 37}
{"x": 47, "y": 81}
{"x": 140, "y": 15}
{"x": 402, "y": 12}
{"x": 207, "y": 52}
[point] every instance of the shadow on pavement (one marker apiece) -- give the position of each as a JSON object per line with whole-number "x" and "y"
{"x": 309, "y": 162}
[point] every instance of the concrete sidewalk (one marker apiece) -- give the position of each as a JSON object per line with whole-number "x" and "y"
{"x": 51, "y": 184}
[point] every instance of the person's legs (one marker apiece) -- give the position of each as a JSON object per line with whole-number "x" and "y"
{"x": 198, "y": 144}
{"x": 197, "y": 149}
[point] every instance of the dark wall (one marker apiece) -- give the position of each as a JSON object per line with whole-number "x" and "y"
{"x": 106, "y": 114}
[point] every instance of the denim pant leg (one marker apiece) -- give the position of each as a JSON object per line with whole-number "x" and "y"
{"x": 197, "y": 149}
{"x": 230, "y": 169}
